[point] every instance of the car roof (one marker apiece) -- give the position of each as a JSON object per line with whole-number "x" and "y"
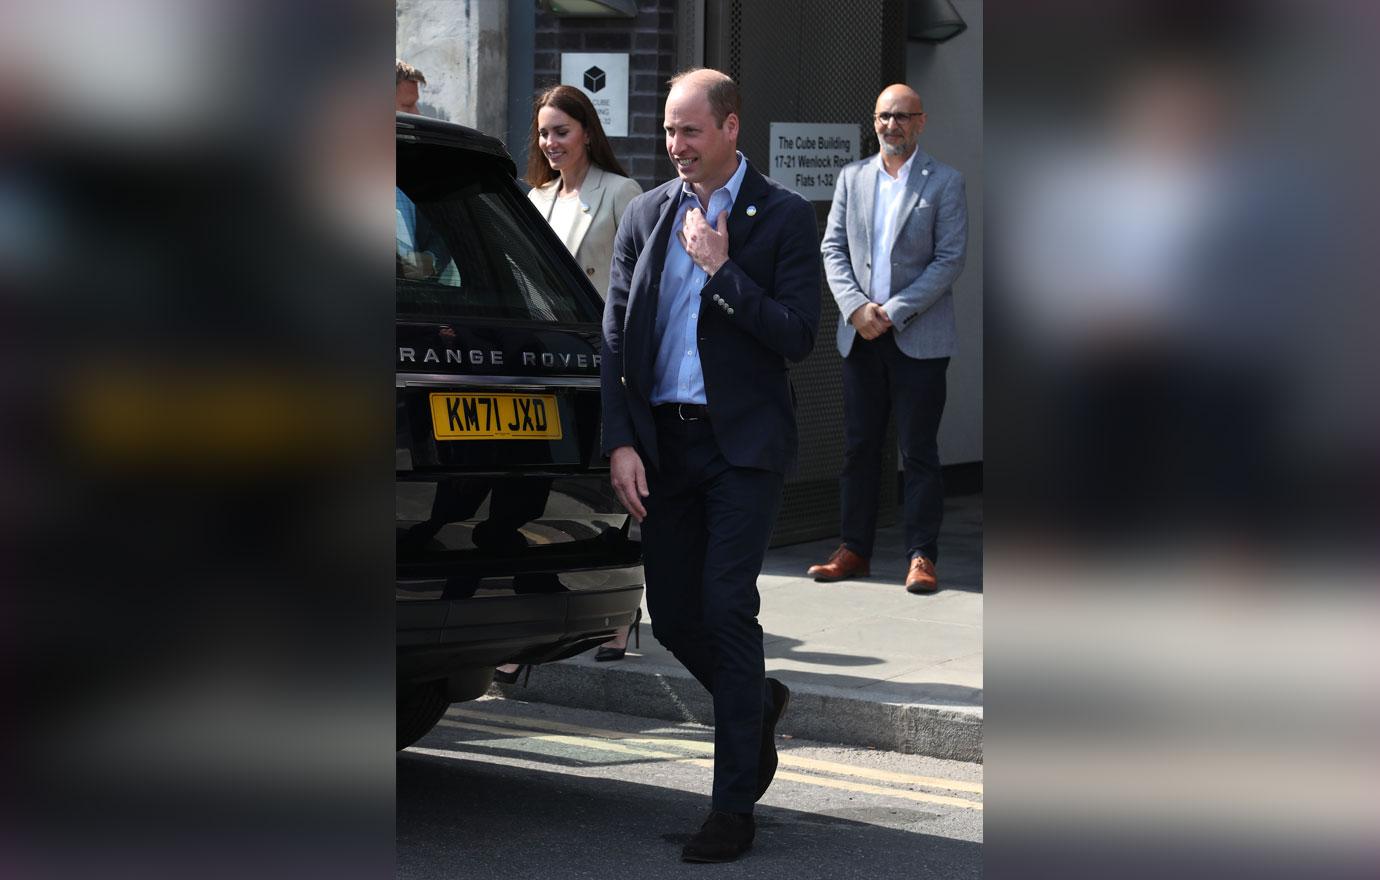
{"x": 410, "y": 126}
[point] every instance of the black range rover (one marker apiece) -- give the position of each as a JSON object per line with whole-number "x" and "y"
{"x": 511, "y": 546}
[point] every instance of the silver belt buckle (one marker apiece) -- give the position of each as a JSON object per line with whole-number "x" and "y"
{"x": 680, "y": 411}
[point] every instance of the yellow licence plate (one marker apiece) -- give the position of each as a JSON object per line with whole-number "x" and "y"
{"x": 495, "y": 417}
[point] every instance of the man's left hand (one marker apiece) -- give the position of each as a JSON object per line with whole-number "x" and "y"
{"x": 706, "y": 245}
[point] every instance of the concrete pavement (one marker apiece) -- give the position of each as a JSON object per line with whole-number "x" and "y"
{"x": 868, "y": 664}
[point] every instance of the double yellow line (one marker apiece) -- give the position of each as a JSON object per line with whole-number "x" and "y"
{"x": 826, "y": 774}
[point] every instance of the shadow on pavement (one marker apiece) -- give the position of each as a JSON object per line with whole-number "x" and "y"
{"x": 786, "y": 648}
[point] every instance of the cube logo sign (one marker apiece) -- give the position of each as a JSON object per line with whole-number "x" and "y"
{"x": 603, "y": 76}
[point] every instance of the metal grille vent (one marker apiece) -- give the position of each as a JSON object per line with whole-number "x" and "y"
{"x": 735, "y": 41}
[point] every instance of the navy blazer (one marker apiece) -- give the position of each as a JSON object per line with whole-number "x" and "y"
{"x": 760, "y": 310}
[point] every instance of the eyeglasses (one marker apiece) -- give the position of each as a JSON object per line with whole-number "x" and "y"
{"x": 902, "y": 118}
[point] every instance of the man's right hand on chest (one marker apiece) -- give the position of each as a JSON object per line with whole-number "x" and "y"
{"x": 629, "y": 479}
{"x": 870, "y": 320}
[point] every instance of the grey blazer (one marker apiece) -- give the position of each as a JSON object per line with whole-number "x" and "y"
{"x": 604, "y": 196}
{"x": 927, "y": 256}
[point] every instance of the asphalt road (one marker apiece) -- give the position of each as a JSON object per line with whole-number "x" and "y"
{"x": 504, "y": 789}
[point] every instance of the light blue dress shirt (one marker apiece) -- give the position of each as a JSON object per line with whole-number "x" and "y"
{"x": 679, "y": 378}
{"x": 406, "y": 215}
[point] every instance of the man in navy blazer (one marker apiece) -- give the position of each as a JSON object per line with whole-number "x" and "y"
{"x": 714, "y": 287}
{"x": 895, "y": 242}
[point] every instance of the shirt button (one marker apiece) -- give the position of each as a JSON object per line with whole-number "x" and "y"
{"x": 590, "y": 271}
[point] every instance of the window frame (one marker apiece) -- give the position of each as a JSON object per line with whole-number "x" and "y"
{"x": 549, "y": 250}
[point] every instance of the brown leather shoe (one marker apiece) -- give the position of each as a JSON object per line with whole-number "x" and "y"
{"x": 921, "y": 577}
{"x": 842, "y": 566}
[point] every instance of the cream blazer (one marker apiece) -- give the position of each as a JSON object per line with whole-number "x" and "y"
{"x": 604, "y": 197}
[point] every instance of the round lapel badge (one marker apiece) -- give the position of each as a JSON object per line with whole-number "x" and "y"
{"x": 752, "y": 210}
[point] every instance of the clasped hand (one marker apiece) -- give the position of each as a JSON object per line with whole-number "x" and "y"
{"x": 707, "y": 245}
{"x": 870, "y": 320}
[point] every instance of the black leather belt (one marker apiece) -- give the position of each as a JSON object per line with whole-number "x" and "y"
{"x": 686, "y": 412}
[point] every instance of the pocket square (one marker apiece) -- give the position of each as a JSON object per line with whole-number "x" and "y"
{"x": 923, "y": 204}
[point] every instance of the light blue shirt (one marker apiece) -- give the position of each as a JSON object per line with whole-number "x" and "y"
{"x": 406, "y": 239}
{"x": 406, "y": 215}
{"x": 679, "y": 378}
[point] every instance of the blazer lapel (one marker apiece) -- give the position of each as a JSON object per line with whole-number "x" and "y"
{"x": 661, "y": 238}
{"x": 740, "y": 220}
{"x": 644, "y": 297}
{"x": 546, "y": 197}
{"x": 591, "y": 195}
{"x": 867, "y": 199}
{"x": 915, "y": 185}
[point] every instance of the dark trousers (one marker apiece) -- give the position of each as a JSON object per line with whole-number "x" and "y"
{"x": 878, "y": 381}
{"x": 703, "y": 540}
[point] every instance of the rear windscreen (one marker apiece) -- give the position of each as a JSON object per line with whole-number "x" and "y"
{"x": 469, "y": 244}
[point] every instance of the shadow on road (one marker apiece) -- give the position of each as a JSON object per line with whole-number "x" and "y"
{"x": 463, "y": 817}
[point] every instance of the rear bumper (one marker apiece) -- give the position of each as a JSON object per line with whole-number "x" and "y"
{"x": 571, "y": 613}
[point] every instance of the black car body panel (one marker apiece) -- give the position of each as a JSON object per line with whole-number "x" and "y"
{"x": 511, "y": 546}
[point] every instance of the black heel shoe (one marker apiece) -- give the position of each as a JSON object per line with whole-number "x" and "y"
{"x": 603, "y": 655}
{"x": 512, "y": 677}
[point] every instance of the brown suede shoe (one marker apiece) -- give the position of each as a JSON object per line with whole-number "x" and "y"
{"x": 921, "y": 578}
{"x": 842, "y": 566}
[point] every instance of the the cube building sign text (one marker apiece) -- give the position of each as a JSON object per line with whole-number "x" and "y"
{"x": 604, "y": 78}
{"x": 807, "y": 156}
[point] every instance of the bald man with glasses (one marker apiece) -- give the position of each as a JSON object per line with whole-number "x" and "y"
{"x": 895, "y": 242}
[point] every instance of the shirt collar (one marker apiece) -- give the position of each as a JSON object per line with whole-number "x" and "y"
{"x": 904, "y": 173}
{"x": 734, "y": 184}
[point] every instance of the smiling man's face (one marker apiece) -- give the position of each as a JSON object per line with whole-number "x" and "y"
{"x": 899, "y": 133}
{"x": 704, "y": 153}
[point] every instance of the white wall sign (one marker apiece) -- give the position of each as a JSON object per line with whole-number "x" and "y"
{"x": 807, "y": 156}
{"x": 604, "y": 77}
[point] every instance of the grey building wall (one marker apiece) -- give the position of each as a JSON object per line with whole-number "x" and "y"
{"x": 948, "y": 77}
{"x": 462, "y": 48}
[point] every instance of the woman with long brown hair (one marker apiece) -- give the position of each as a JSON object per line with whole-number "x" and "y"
{"x": 579, "y": 186}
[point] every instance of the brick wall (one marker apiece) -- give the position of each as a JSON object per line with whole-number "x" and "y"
{"x": 650, "y": 43}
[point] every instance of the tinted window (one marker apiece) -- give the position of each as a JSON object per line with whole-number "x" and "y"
{"x": 467, "y": 246}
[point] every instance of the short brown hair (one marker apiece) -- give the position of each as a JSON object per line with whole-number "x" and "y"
{"x": 721, "y": 91}
{"x": 406, "y": 72}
